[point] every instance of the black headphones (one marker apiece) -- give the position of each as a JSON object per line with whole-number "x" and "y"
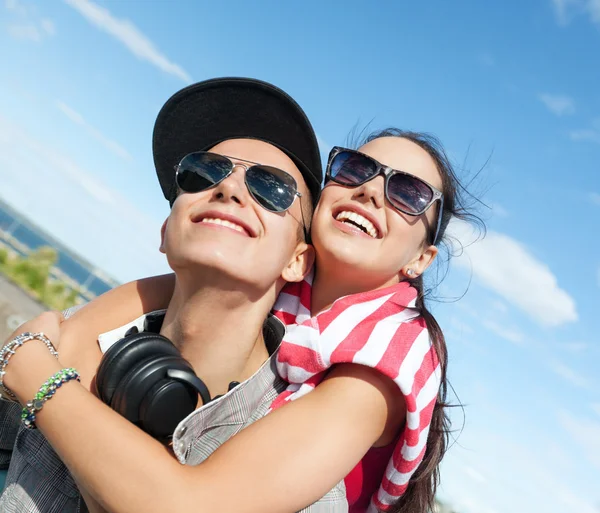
{"x": 145, "y": 379}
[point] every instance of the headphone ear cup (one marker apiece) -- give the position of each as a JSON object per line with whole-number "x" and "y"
{"x": 136, "y": 386}
{"x": 166, "y": 404}
{"x": 123, "y": 355}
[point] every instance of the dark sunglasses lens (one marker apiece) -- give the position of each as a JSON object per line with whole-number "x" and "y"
{"x": 408, "y": 193}
{"x": 200, "y": 171}
{"x": 350, "y": 168}
{"x": 272, "y": 188}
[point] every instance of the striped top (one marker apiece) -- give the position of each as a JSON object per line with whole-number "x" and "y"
{"x": 381, "y": 329}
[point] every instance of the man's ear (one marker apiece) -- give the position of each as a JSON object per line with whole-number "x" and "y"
{"x": 163, "y": 230}
{"x": 418, "y": 265}
{"x": 300, "y": 264}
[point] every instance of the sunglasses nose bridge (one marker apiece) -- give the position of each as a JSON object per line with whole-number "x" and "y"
{"x": 373, "y": 189}
{"x": 232, "y": 186}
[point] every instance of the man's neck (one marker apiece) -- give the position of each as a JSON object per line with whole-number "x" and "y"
{"x": 219, "y": 331}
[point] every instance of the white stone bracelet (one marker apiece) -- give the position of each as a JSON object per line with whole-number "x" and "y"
{"x": 9, "y": 349}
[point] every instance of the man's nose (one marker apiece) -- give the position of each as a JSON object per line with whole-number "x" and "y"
{"x": 233, "y": 188}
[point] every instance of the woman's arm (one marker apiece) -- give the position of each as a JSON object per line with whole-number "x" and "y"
{"x": 283, "y": 462}
{"x": 79, "y": 333}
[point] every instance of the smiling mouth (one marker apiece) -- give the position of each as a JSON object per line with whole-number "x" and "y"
{"x": 358, "y": 221}
{"x": 226, "y": 224}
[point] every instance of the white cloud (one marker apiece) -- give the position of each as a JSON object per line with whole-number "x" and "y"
{"x": 506, "y": 332}
{"x": 585, "y": 432}
{"x": 504, "y": 265}
{"x": 18, "y": 7}
{"x": 595, "y": 198}
{"x": 586, "y": 134}
{"x": 519, "y": 475}
{"x": 78, "y": 119}
{"x": 558, "y": 104}
{"x": 565, "y": 10}
{"x": 576, "y": 347}
{"x": 129, "y": 35}
{"x": 461, "y": 326}
{"x": 499, "y": 306}
{"x": 76, "y": 207}
{"x": 48, "y": 27}
{"x": 562, "y": 10}
{"x": 596, "y": 408}
{"x": 474, "y": 474}
{"x": 499, "y": 211}
{"x": 569, "y": 374}
{"x": 28, "y": 27}
{"x": 25, "y": 32}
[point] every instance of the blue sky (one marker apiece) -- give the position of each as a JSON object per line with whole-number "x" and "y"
{"x": 81, "y": 85}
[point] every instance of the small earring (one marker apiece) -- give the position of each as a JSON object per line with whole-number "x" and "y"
{"x": 410, "y": 272}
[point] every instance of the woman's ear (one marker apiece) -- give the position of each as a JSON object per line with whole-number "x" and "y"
{"x": 300, "y": 264}
{"x": 163, "y": 230}
{"x": 418, "y": 265}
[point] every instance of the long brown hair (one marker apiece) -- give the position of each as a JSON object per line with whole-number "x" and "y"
{"x": 420, "y": 493}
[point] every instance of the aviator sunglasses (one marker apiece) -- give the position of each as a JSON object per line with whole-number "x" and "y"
{"x": 273, "y": 189}
{"x": 405, "y": 192}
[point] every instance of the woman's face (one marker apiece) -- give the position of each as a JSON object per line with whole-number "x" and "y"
{"x": 393, "y": 241}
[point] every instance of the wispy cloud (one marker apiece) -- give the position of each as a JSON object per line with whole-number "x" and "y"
{"x": 129, "y": 35}
{"x": 78, "y": 119}
{"x": 506, "y": 332}
{"x": 562, "y": 10}
{"x": 576, "y": 347}
{"x": 559, "y": 104}
{"x": 18, "y": 7}
{"x": 474, "y": 474}
{"x": 595, "y": 198}
{"x": 28, "y": 25}
{"x": 569, "y": 374}
{"x": 499, "y": 211}
{"x": 584, "y": 432}
{"x": 565, "y": 10}
{"x": 35, "y": 32}
{"x": 86, "y": 204}
{"x": 504, "y": 265}
{"x": 596, "y": 408}
{"x": 586, "y": 134}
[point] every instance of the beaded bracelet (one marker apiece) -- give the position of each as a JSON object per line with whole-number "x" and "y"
{"x": 9, "y": 349}
{"x": 47, "y": 390}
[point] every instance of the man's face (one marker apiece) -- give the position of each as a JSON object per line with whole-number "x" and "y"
{"x": 225, "y": 232}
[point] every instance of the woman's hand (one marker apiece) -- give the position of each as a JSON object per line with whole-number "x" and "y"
{"x": 48, "y": 323}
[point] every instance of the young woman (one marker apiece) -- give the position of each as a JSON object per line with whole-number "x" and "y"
{"x": 360, "y": 340}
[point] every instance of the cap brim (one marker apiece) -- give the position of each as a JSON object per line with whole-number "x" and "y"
{"x": 207, "y": 113}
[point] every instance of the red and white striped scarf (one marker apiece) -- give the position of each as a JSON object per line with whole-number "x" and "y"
{"x": 381, "y": 329}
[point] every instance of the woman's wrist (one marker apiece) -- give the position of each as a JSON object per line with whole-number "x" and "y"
{"x": 30, "y": 365}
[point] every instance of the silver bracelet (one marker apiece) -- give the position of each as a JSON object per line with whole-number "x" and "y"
{"x": 9, "y": 349}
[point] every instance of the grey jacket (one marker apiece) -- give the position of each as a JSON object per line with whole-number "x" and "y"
{"x": 38, "y": 481}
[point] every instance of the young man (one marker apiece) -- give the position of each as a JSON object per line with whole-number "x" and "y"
{"x": 231, "y": 254}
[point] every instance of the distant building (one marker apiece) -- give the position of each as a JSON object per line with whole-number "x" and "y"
{"x": 20, "y": 235}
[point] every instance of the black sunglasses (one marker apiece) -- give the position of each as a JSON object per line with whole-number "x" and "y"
{"x": 273, "y": 189}
{"x": 405, "y": 192}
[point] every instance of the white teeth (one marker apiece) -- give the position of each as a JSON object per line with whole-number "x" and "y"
{"x": 223, "y": 222}
{"x": 359, "y": 220}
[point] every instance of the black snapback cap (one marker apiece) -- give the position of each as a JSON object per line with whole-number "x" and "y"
{"x": 207, "y": 113}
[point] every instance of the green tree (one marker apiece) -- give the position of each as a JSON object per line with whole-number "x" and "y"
{"x": 34, "y": 274}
